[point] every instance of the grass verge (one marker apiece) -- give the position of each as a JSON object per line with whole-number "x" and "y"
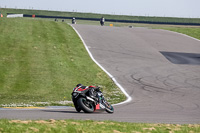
{"x": 89, "y": 126}
{"x": 41, "y": 61}
{"x": 190, "y": 31}
{"x": 193, "y": 31}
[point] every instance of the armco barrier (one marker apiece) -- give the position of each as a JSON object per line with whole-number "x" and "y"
{"x": 14, "y": 15}
{"x": 115, "y": 20}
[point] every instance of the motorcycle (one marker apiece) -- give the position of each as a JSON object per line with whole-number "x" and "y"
{"x": 102, "y": 20}
{"x": 102, "y": 23}
{"x": 73, "y": 21}
{"x": 90, "y": 99}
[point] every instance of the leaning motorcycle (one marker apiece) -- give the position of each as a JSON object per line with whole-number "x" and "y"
{"x": 83, "y": 100}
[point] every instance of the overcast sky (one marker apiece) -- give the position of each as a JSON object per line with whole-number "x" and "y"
{"x": 167, "y": 8}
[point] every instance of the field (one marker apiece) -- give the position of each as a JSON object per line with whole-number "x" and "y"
{"x": 41, "y": 62}
{"x": 89, "y": 126}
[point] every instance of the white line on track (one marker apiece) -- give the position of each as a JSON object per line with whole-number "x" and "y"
{"x": 114, "y": 80}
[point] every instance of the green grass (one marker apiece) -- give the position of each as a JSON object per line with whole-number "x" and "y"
{"x": 89, "y": 126}
{"x": 41, "y": 61}
{"x": 107, "y": 16}
{"x": 193, "y": 32}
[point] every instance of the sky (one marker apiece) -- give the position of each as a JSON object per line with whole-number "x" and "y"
{"x": 162, "y": 8}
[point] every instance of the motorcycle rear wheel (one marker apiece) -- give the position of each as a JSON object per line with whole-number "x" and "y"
{"x": 86, "y": 106}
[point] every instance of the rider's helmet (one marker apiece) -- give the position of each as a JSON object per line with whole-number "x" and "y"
{"x": 79, "y": 85}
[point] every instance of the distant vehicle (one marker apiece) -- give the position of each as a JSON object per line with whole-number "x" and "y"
{"x": 90, "y": 99}
{"x": 73, "y": 21}
{"x": 102, "y": 21}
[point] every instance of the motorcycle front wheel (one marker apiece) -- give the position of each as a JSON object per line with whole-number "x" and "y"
{"x": 109, "y": 108}
{"x": 78, "y": 109}
{"x": 85, "y": 105}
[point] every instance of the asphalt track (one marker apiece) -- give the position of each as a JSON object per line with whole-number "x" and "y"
{"x": 161, "y": 91}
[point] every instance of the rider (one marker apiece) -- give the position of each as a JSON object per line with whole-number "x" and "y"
{"x": 102, "y": 21}
{"x": 92, "y": 89}
{"x": 73, "y": 21}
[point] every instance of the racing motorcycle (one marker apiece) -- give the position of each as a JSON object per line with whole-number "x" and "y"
{"x": 102, "y": 20}
{"x": 90, "y": 99}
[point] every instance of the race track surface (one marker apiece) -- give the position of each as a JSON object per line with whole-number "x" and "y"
{"x": 162, "y": 91}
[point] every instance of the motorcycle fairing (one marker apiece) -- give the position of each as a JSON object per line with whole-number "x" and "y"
{"x": 97, "y": 106}
{"x": 81, "y": 88}
{"x": 100, "y": 106}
